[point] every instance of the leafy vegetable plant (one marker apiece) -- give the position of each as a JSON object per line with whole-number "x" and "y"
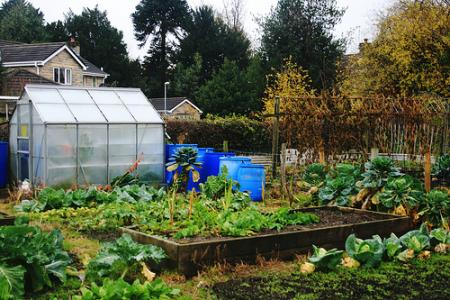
{"x": 39, "y": 253}
{"x": 11, "y": 282}
{"x": 368, "y": 252}
{"x": 314, "y": 174}
{"x": 416, "y": 240}
{"x": 122, "y": 257}
{"x": 404, "y": 191}
{"x": 120, "y": 289}
{"x": 377, "y": 172}
{"x": 326, "y": 260}
{"x": 184, "y": 163}
{"x": 441, "y": 169}
{"x": 440, "y": 235}
{"x": 392, "y": 245}
{"x": 436, "y": 208}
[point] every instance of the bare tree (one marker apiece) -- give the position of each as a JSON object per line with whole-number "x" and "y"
{"x": 234, "y": 13}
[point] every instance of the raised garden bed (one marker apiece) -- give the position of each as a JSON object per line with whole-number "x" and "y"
{"x": 189, "y": 255}
{"x": 6, "y": 219}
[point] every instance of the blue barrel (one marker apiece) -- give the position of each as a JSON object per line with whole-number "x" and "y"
{"x": 233, "y": 164}
{"x": 252, "y": 179}
{"x": 211, "y": 163}
{"x": 3, "y": 164}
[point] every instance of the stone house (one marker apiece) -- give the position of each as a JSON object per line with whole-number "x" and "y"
{"x": 43, "y": 63}
{"x": 176, "y": 108}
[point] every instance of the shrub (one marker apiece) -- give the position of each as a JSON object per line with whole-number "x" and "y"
{"x": 242, "y": 133}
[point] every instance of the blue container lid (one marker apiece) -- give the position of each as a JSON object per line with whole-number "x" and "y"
{"x": 252, "y": 166}
{"x": 236, "y": 158}
{"x": 220, "y": 154}
{"x": 182, "y": 145}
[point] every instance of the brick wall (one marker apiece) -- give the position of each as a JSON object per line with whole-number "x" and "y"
{"x": 14, "y": 82}
{"x": 185, "y": 111}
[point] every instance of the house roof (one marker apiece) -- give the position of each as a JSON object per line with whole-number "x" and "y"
{"x": 20, "y": 54}
{"x": 171, "y": 104}
{"x": 57, "y": 104}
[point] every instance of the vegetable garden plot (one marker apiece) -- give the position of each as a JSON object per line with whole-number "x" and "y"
{"x": 188, "y": 256}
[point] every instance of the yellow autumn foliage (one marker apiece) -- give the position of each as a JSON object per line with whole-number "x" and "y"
{"x": 290, "y": 83}
{"x": 408, "y": 56}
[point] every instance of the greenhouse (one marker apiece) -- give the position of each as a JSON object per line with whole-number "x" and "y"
{"x": 64, "y": 135}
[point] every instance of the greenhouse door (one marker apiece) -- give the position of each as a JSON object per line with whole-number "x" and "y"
{"x": 23, "y": 158}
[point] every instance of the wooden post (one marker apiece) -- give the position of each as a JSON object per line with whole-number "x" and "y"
{"x": 427, "y": 172}
{"x": 283, "y": 170}
{"x": 373, "y": 153}
{"x": 225, "y": 146}
{"x": 275, "y": 136}
{"x": 322, "y": 155}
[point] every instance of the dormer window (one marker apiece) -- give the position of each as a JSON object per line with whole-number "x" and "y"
{"x": 62, "y": 75}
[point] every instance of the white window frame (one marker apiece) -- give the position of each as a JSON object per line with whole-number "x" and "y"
{"x": 67, "y": 75}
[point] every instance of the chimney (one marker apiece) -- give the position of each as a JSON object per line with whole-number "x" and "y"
{"x": 74, "y": 45}
{"x": 363, "y": 45}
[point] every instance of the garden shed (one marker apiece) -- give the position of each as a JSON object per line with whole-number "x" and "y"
{"x": 63, "y": 135}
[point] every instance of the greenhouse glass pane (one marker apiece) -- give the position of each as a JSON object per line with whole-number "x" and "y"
{"x": 151, "y": 153}
{"x": 38, "y": 140}
{"x": 92, "y": 154}
{"x": 45, "y": 95}
{"x": 38, "y": 154}
{"x": 54, "y": 113}
{"x": 116, "y": 114}
{"x": 36, "y": 118}
{"x": 76, "y": 96}
{"x": 122, "y": 149}
{"x": 13, "y": 118}
{"x": 86, "y": 113}
{"x": 132, "y": 97}
{"x": 105, "y": 97}
{"x": 144, "y": 113}
{"x": 61, "y": 161}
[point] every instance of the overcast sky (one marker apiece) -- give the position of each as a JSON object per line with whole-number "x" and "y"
{"x": 357, "y": 22}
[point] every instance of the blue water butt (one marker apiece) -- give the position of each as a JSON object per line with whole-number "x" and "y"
{"x": 252, "y": 179}
{"x": 201, "y": 159}
{"x": 233, "y": 164}
{"x": 3, "y": 164}
{"x": 211, "y": 163}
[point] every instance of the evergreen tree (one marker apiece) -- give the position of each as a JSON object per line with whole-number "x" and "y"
{"x": 156, "y": 20}
{"x": 22, "y": 22}
{"x": 302, "y": 29}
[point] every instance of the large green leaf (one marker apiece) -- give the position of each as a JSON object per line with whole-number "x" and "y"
{"x": 11, "y": 282}
{"x": 324, "y": 259}
{"x": 368, "y": 252}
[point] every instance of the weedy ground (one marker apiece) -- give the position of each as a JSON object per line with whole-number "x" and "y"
{"x": 274, "y": 279}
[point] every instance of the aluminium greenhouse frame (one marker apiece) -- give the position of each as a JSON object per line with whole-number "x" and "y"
{"x": 46, "y": 133}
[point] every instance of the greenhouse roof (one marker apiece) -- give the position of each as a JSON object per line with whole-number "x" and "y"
{"x": 63, "y": 104}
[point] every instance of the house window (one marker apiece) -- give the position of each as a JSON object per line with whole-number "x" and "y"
{"x": 62, "y": 75}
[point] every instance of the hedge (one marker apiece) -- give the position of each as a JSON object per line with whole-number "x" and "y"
{"x": 243, "y": 134}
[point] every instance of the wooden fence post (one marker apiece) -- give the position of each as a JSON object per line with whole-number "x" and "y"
{"x": 275, "y": 136}
{"x": 427, "y": 172}
{"x": 225, "y": 146}
{"x": 283, "y": 170}
{"x": 322, "y": 155}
